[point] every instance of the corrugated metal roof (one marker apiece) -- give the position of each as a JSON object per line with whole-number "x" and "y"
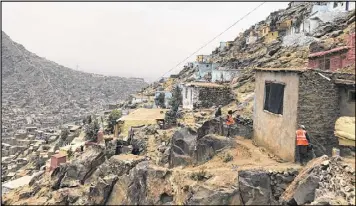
{"x": 317, "y": 54}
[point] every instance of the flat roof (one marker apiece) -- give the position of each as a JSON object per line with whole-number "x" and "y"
{"x": 204, "y": 84}
{"x": 145, "y": 114}
{"x": 59, "y": 155}
{"x": 322, "y": 53}
{"x": 291, "y": 69}
{"x": 18, "y": 182}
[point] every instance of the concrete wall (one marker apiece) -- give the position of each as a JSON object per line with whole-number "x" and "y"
{"x": 251, "y": 39}
{"x": 203, "y": 69}
{"x": 227, "y": 75}
{"x": 318, "y": 108}
{"x": 347, "y": 108}
{"x": 277, "y": 132}
{"x": 188, "y": 99}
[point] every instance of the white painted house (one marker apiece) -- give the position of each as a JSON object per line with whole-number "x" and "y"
{"x": 252, "y": 38}
{"x": 135, "y": 98}
{"x": 224, "y": 75}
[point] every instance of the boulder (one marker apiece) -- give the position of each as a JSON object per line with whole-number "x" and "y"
{"x": 305, "y": 192}
{"x": 255, "y": 187}
{"x": 75, "y": 173}
{"x": 183, "y": 146}
{"x": 201, "y": 195}
{"x": 140, "y": 186}
{"x": 209, "y": 145}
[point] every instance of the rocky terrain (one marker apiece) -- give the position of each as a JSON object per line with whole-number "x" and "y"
{"x": 194, "y": 163}
{"x": 37, "y": 91}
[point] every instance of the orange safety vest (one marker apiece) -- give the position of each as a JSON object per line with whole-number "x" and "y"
{"x": 301, "y": 137}
{"x": 230, "y": 120}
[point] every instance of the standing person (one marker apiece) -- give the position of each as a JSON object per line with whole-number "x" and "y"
{"x": 218, "y": 111}
{"x": 310, "y": 146}
{"x": 229, "y": 122}
{"x": 302, "y": 143}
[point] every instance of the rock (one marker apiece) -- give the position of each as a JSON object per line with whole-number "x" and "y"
{"x": 325, "y": 164}
{"x": 255, "y": 187}
{"x": 305, "y": 192}
{"x": 182, "y": 148}
{"x": 204, "y": 196}
{"x": 336, "y": 33}
{"x": 36, "y": 177}
{"x": 75, "y": 173}
{"x": 141, "y": 186}
{"x": 187, "y": 149}
{"x": 25, "y": 194}
{"x": 209, "y": 145}
{"x": 101, "y": 189}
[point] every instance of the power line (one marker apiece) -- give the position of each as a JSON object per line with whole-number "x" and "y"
{"x": 211, "y": 40}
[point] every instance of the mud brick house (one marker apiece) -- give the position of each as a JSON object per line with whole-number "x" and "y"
{"x": 56, "y": 160}
{"x": 204, "y": 95}
{"x": 286, "y": 97}
{"x": 335, "y": 58}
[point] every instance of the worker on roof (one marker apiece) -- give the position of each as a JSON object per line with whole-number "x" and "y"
{"x": 302, "y": 142}
{"x": 229, "y": 122}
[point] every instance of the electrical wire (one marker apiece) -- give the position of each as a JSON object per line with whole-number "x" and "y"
{"x": 211, "y": 40}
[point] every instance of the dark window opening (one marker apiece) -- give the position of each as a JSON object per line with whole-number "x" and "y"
{"x": 352, "y": 96}
{"x": 274, "y": 94}
{"x": 324, "y": 64}
{"x": 335, "y": 4}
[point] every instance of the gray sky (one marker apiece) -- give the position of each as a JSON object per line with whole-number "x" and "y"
{"x": 139, "y": 39}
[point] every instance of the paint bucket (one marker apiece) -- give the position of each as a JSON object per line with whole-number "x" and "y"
{"x": 336, "y": 152}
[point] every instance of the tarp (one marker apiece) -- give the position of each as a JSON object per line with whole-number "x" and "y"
{"x": 345, "y": 130}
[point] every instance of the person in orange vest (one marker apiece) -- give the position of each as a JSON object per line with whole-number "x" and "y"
{"x": 229, "y": 122}
{"x": 302, "y": 142}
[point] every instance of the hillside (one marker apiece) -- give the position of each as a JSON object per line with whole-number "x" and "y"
{"x": 35, "y": 85}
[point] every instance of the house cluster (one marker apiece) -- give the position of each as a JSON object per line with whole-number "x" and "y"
{"x": 33, "y": 145}
{"x": 207, "y": 71}
{"x": 321, "y": 12}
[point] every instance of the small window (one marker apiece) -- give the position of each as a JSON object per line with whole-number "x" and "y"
{"x": 274, "y": 94}
{"x": 352, "y": 96}
{"x": 335, "y": 4}
{"x": 186, "y": 92}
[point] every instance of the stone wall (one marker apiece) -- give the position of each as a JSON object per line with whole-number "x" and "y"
{"x": 243, "y": 128}
{"x": 280, "y": 181}
{"x": 214, "y": 96}
{"x": 318, "y": 109}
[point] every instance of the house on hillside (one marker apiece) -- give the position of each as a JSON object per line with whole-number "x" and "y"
{"x": 340, "y": 6}
{"x": 252, "y": 37}
{"x": 223, "y": 74}
{"x": 284, "y": 27}
{"x": 286, "y": 98}
{"x": 137, "y": 98}
{"x": 203, "y": 58}
{"x": 225, "y": 45}
{"x": 336, "y": 58}
{"x": 204, "y": 70}
{"x": 137, "y": 118}
{"x": 271, "y": 36}
{"x": 263, "y": 30}
{"x": 204, "y": 95}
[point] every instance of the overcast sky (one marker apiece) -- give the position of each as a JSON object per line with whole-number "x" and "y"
{"x": 140, "y": 39}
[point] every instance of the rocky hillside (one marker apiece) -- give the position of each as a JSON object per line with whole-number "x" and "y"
{"x": 35, "y": 85}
